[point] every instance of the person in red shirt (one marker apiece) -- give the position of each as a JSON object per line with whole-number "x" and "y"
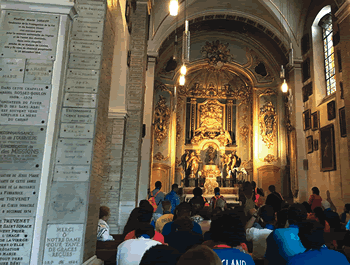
{"x": 315, "y": 199}
{"x": 145, "y": 216}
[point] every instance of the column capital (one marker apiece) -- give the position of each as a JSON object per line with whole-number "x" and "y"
{"x": 343, "y": 12}
{"x": 64, "y": 7}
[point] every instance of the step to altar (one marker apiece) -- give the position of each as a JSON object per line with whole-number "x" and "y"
{"x": 231, "y": 195}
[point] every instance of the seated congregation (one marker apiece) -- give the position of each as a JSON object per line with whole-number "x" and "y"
{"x": 164, "y": 230}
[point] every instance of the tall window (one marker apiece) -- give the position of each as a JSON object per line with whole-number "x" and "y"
{"x": 327, "y": 28}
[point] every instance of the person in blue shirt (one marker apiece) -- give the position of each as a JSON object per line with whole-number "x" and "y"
{"x": 173, "y": 197}
{"x": 311, "y": 236}
{"x": 182, "y": 210}
{"x": 284, "y": 243}
{"x": 346, "y": 211}
{"x": 228, "y": 234}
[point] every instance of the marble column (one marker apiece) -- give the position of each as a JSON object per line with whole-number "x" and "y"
{"x": 299, "y": 171}
{"x": 147, "y": 141}
{"x": 343, "y": 16}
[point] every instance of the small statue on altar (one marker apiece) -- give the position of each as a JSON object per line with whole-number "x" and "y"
{"x": 224, "y": 138}
{"x": 231, "y": 162}
{"x": 211, "y": 155}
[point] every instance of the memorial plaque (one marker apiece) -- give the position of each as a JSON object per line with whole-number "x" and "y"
{"x": 81, "y": 85}
{"x": 79, "y": 100}
{"x": 68, "y": 202}
{"x": 19, "y": 192}
{"x": 29, "y": 35}
{"x": 73, "y": 130}
{"x": 16, "y": 240}
{"x": 63, "y": 244}
{"x": 87, "y": 29}
{"x": 94, "y": 11}
{"x": 11, "y": 70}
{"x": 38, "y": 71}
{"x": 82, "y": 81}
{"x": 84, "y": 61}
{"x": 91, "y": 47}
{"x": 71, "y": 173}
{"x": 21, "y": 147}
{"x": 78, "y": 115}
{"x": 24, "y": 104}
{"x": 96, "y": 3}
{"x": 74, "y": 152}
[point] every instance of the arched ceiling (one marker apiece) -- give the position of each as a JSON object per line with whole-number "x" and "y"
{"x": 284, "y": 18}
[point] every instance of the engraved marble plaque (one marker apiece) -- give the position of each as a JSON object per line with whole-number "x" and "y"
{"x": 83, "y": 74}
{"x": 29, "y": 35}
{"x": 19, "y": 191}
{"x": 24, "y": 104}
{"x": 38, "y": 71}
{"x": 63, "y": 244}
{"x": 71, "y": 173}
{"x": 94, "y": 11}
{"x": 11, "y": 70}
{"x": 81, "y": 85}
{"x": 68, "y": 202}
{"x": 78, "y": 115}
{"x": 21, "y": 147}
{"x": 91, "y": 47}
{"x": 91, "y": 2}
{"x": 16, "y": 240}
{"x": 79, "y": 100}
{"x": 84, "y": 61}
{"x": 74, "y": 152}
{"x": 76, "y": 130}
{"x": 87, "y": 29}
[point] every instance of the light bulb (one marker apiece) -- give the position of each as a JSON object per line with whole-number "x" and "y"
{"x": 284, "y": 86}
{"x": 182, "y": 80}
{"x": 183, "y": 69}
{"x": 173, "y": 7}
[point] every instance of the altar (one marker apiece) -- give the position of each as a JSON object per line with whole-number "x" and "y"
{"x": 231, "y": 194}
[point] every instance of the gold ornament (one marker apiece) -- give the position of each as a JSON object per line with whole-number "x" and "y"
{"x": 160, "y": 157}
{"x": 161, "y": 119}
{"x": 268, "y": 123}
{"x": 270, "y": 159}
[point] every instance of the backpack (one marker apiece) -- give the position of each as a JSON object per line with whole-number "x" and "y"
{"x": 206, "y": 203}
{"x": 215, "y": 199}
{"x": 152, "y": 201}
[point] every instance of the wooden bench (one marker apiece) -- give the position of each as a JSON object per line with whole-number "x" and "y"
{"x": 107, "y": 251}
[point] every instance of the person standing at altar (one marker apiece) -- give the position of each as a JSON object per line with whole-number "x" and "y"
{"x": 215, "y": 198}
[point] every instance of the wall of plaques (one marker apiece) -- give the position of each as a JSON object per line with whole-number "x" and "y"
{"x": 28, "y": 52}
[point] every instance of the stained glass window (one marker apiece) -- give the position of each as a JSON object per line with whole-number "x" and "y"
{"x": 328, "y": 53}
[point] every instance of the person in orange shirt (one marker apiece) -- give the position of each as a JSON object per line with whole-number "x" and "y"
{"x": 315, "y": 199}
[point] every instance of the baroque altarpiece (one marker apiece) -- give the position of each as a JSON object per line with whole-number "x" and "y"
{"x": 222, "y": 125}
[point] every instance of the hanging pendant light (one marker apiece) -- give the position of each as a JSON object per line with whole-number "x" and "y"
{"x": 173, "y": 7}
{"x": 284, "y": 86}
{"x": 182, "y": 80}
{"x": 183, "y": 69}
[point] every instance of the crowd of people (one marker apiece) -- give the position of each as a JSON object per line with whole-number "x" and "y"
{"x": 163, "y": 230}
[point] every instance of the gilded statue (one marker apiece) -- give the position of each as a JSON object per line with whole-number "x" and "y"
{"x": 161, "y": 118}
{"x": 184, "y": 158}
{"x": 224, "y": 138}
{"x": 211, "y": 116}
{"x": 268, "y": 124}
{"x": 193, "y": 164}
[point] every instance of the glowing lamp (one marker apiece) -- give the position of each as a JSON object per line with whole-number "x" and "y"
{"x": 284, "y": 86}
{"x": 183, "y": 70}
{"x": 173, "y": 7}
{"x": 182, "y": 80}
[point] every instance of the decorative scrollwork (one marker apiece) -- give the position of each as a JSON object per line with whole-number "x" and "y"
{"x": 161, "y": 119}
{"x": 267, "y": 92}
{"x": 270, "y": 159}
{"x": 247, "y": 164}
{"x": 268, "y": 123}
{"x": 162, "y": 87}
{"x": 178, "y": 130}
{"x": 216, "y": 53}
{"x": 160, "y": 157}
{"x": 244, "y": 132}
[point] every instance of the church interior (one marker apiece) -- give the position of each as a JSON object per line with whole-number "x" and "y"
{"x": 209, "y": 94}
